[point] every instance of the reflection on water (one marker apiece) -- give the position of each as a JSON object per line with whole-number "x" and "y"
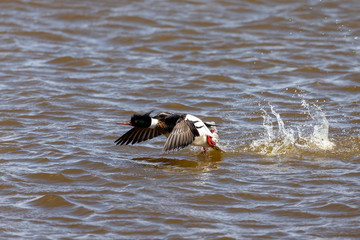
{"x": 279, "y": 78}
{"x": 203, "y": 162}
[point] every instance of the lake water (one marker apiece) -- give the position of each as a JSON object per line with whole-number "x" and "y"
{"x": 280, "y": 78}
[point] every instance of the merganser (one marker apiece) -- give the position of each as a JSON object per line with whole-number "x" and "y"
{"x": 180, "y": 130}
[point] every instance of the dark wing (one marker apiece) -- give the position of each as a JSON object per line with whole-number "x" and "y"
{"x": 182, "y": 135}
{"x": 136, "y": 135}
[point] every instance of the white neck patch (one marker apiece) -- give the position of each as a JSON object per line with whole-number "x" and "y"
{"x": 154, "y": 123}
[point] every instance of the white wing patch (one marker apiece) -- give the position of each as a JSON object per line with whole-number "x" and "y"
{"x": 200, "y": 125}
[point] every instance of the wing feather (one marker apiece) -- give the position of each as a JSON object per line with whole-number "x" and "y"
{"x": 141, "y": 135}
{"x": 135, "y": 138}
{"x": 182, "y": 135}
{"x": 146, "y": 135}
{"x": 121, "y": 140}
{"x": 136, "y": 135}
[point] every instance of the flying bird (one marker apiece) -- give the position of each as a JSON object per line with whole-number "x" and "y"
{"x": 181, "y": 130}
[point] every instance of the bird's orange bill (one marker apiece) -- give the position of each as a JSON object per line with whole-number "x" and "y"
{"x": 124, "y": 123}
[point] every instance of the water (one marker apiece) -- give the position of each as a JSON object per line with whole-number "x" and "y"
{"x": 281, "y": 80}
{"x": 312, "y": 136}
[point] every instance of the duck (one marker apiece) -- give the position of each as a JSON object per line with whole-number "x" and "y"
{"x": 181, "y": 131}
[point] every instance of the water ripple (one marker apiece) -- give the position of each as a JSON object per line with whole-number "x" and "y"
{"x": 280, "y": 80}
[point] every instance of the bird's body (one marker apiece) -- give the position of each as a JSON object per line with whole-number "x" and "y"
{"x": 181, "y": 130}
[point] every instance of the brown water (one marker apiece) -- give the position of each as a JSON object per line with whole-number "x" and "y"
{"x": 281, "y": 78}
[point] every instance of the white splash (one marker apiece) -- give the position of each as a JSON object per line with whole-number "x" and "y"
{"x": 281, "y": 139}
{"x": 320, "y": 134}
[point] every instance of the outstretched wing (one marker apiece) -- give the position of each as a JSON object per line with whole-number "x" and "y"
{"x": 136, "y": 135}
{"x": 182, "y": 135}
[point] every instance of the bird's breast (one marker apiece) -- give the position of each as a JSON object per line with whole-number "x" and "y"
{"x": 200, "y": 141}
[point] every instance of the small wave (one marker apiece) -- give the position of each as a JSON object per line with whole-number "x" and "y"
{"x": 285, "y": 140}
{"x": 51, "y": 201}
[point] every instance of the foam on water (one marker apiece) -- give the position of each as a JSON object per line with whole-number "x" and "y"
{"x": 285, "y": 139}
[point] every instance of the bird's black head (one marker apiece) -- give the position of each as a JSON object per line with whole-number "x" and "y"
{"x": 141, "y": 120}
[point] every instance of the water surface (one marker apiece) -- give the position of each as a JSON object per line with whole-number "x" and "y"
{"x": 281, "y": 79}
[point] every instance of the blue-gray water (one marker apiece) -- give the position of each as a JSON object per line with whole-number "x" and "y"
{"x": 281, "y": 79}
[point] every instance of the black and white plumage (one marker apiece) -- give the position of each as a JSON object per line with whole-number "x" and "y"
{"x": 181, "y": 130}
